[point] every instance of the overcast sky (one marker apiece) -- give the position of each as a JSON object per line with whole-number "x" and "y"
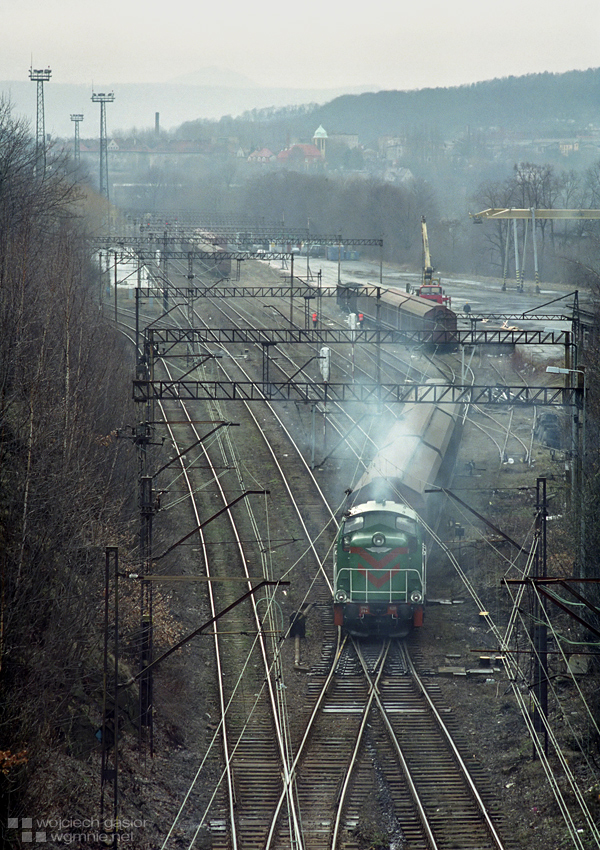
{"x": 393, "y": 44}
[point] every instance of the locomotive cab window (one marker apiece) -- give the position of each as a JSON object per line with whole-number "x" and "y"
{"x": 394, "y": 530}
{"x": 406, "y": 524}
{"x": 353, "y": 523}
{"x": 409, "y": 527}
{"x": 406, "y": 540}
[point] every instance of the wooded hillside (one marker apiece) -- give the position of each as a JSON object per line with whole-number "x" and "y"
{"x": 64, "y": 374}
{"x": 543, "y": 104}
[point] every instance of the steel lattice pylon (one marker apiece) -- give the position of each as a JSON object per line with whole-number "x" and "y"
{"x": 77, "y": 118}
{"x": 40, "y": 76}
{"x": 103, "y": 99}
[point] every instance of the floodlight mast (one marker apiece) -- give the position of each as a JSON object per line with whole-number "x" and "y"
{"x": 40, "y": 76}
{"x": 103, "y": 99}
{"x": 77, "y": 118}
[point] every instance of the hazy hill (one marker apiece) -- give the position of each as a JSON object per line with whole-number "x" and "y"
{"x": 135, "y": 105}
{"x": 549, "y": 104}
{"x": 540, "y": 104}
{"x": 544, "y": 104}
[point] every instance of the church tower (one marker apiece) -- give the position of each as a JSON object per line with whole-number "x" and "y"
{"x": 320, "y": 139}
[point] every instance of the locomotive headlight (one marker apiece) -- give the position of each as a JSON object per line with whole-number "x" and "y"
{"x": 341, "y": 595}
{"x": 416, "y": 597}
{"x": 378, "y": 539}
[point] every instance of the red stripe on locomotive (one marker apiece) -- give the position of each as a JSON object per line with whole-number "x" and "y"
{"x": 375, "y": 564}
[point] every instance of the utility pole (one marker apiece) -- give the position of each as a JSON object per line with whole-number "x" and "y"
{"x": 109, "y": 732}
{"x": 40, "y": 76}
{"x": 76, "y": 149}
{"x": 539, "y": 628}
{"x": 147, "y": 508}
{"x": 103, "y": 99}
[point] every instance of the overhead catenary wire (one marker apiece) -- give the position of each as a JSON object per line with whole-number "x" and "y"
{"x": 548, "y": 769}
{"x": 514, "y": 608}
{"x": 311, "y": 545}
{"x": 588, "y": 711}
{"x": 299, "y": 562}
{"x": 512, "y": 668}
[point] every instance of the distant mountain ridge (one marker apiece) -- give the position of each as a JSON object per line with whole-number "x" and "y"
{"x": 136, "y": 104}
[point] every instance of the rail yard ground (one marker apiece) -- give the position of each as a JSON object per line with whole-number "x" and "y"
{"x": 501, "y": 487}
{"x": 455, "y": 642}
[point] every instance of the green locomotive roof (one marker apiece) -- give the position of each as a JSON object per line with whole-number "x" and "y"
{"x": 385, "y": 505}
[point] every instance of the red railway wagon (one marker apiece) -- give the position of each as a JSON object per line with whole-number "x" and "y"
{"x": 401, "y": 311}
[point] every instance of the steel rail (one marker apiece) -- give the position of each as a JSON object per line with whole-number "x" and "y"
{"x": 288, "y": 779}
{"x": 213, "y": 608}
{"x": 403, "y": 763}
{"x": 372, "y": 696}
{"x": 273, "y": 699}
{"x": 456, "y": 753}
{"x": 280, "y": 469}
{"x": 284, "y": 477}
{"x": 267, "y": 666}
{"x": 229, "y": 749}
{"x": 307, "y": 731}
{"x": 278, "y": 717}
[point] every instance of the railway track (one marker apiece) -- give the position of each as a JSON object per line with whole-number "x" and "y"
{"x": 345, "y": 432}
{"x": 255, "y": 741}
{"x": 248, "y": 722}
{"x": 310, "y": 786}
{"x": 377, "y": 731}
{"x": 255, "y": 725}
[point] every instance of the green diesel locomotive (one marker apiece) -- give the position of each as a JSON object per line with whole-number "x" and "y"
{"x": 380, "y": 560}
{"x": 379, "y": 570}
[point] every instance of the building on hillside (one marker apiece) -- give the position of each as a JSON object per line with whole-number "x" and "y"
{"x": 333, "y": 146}
{"x": 301, "y": 157}
{"x": 391, "y": 148}
{"x": 130, "y": 155}
{"x": 261, "y": 156}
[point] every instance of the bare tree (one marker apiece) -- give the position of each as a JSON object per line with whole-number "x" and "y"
{"x": 63, "y": 381}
